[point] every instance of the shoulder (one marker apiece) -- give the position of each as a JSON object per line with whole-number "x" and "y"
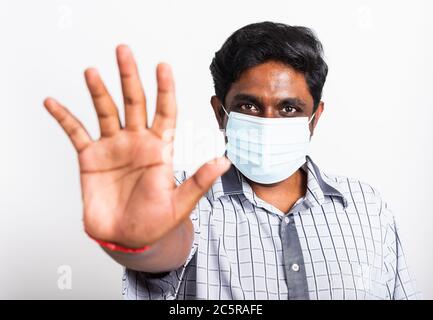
{"x": 350, "y": 185}
{"x": 361, "y": 196}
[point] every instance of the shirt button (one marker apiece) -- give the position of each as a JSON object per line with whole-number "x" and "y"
{"x": 295, "y": 267}
{"x": 287, "y": 220}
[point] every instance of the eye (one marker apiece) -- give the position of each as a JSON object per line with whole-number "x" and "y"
{"x": 289, "y": 109}
{"x": 248, "y": 107}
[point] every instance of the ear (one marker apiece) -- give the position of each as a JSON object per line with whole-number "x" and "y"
{"x": 317, "y": 115}
{"x": 219, "y": 112}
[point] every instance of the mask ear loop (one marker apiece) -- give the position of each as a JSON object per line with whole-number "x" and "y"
{"x": 224, "y": 130}
{"x": 312, "y": 117}
{"x": 225, "y": 110}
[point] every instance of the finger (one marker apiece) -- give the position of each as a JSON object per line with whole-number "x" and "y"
{"x": 164, "y": 121}
{"x": 71, "y": 125}
{"x": 133, "y": 93}
{"x": 106, "y": 110}
{"x": 189, "y": 193}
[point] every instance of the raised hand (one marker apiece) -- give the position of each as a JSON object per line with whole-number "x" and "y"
{"x": 128, "y": 189}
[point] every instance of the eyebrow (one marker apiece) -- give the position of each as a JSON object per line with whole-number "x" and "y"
{"x": 294, "y": 101}
{"x": 247, "y": 97}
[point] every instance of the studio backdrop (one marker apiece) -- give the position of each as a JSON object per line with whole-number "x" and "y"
{"x": 376, "y": 125}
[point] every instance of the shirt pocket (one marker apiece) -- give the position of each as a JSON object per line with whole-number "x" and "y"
{"x": 356, "y": 281}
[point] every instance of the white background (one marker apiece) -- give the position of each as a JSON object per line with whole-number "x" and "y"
{"x": 376, "y": 125}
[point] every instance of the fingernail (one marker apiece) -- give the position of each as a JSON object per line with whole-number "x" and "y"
{"x": 165, "y": 67}
{"x": 123, "y": 50}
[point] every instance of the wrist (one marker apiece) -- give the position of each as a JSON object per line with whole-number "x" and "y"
{"x": 118, "y": 248}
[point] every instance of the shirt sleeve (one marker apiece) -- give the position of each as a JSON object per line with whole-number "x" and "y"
{"x": 402, "y": 283}
{"x": 138, "y": 285}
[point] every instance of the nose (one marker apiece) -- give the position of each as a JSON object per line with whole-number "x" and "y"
{"x": 270, "y": 112}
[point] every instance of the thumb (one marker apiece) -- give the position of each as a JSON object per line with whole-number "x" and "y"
{"x": 189, "y": 193}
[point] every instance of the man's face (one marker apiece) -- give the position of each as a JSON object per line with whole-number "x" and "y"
{"x": 270, "y": 90}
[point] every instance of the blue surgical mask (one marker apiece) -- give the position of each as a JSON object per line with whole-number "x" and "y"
{"x": 267, "y": 150}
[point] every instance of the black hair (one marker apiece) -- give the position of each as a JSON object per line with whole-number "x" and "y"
{"x": 260, "y": 42}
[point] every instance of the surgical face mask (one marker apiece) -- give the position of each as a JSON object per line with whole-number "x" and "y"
{"x": 267, "y": 150}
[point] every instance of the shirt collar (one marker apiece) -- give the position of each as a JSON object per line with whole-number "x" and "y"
{"x": 319, "y": 186}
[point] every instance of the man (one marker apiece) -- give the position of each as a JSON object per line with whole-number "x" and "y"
{"x": 268, "y": 224}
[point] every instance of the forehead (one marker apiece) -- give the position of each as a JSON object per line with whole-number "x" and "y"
{"x": 272, "y": 79}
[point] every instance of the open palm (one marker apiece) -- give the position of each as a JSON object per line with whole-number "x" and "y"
{"x": 128, "y": 189}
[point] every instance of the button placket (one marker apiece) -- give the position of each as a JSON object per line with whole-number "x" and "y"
{"x": 296, "y": 278}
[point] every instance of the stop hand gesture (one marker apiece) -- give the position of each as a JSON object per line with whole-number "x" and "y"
{"x": 127, "y": 182}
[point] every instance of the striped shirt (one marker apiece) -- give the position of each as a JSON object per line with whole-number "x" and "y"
{"x": 339, "y": 241}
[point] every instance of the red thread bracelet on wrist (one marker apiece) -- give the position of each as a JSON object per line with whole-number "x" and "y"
{"x": 116, "y": 247}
